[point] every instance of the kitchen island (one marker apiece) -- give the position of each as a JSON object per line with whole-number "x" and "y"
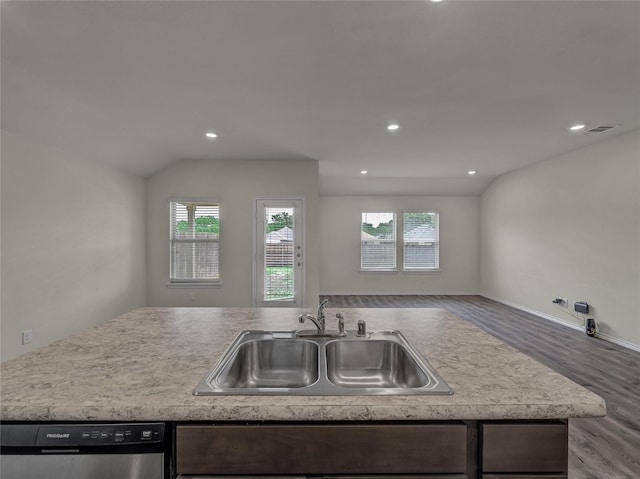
{"x": 145, "y": 364}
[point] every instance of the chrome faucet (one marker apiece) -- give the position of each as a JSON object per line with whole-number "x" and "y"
{"x": 341, "y": 331}
{"x": 362, "y": 328}
{"x": 319, "y": 320}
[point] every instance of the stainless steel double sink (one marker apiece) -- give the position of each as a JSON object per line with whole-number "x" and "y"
{"x": 286, "y": 363}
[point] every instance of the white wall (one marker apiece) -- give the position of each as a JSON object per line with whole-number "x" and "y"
{"x": 340, "y": 273}
{"x": 569, "y": 227}
{"x": 236, "y": 184}
{"x": 73, "y": 239}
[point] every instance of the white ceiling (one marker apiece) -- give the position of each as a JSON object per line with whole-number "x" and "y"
{"x": 484, "y": 85}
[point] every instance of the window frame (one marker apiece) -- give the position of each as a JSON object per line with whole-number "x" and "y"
{"x": 436, "y": 242}
{"x": 394, "y": 241}
{"x": 192, "y": 282}
{"x": 400, "y": 243}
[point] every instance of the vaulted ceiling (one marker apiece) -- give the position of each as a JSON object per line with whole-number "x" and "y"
{"x": 490, "y": 86}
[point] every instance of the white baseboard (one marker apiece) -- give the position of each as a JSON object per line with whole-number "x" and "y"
{"x": 620, "y": 342}
{"x": 606, "y": 337}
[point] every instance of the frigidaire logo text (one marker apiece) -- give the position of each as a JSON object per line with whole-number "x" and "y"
{"x": 58, "y": 435}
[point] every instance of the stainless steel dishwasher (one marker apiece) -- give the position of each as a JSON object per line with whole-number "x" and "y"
{"x": 84, "y": 451}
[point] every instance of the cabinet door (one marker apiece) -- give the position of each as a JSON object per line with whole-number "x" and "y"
{"x": 321, "y": 449}
{"x": 525, "y": 448}
{"x": 524, "y": 476}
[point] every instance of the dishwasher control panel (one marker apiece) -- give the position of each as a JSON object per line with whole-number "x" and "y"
{"x": 52, "y": 435}
{"x": 99, "y": 435}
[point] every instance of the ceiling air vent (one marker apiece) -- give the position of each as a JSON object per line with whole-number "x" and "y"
{"x": 600, "y": 129}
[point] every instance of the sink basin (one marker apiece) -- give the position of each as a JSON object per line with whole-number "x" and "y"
{"x": 280, "y": 362}
{"x": 271, "y": 363}
{"x": 373, "y": 364}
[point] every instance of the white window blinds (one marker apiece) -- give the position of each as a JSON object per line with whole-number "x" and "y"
{"x": 378, "y": 241}
{"x": 194, "y": 242}
{"x": 420, "y": 241}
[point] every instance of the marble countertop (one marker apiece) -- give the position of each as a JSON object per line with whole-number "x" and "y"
{"x": 144, "y": 365}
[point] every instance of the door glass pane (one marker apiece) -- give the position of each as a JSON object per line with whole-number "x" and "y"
{"x": 278, "y": 253}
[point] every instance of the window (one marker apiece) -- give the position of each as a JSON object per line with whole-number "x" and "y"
{"x": 378, "y": 242}
{"x": 194, "y": 241}
{"x": 419, "y": 243}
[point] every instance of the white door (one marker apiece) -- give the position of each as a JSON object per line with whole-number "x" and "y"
{"x": 279, "y": 258}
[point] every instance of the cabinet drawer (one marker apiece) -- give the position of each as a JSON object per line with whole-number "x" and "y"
{"x": 321, "y": 449}
{"x": 525, "y": 448}
{"x": 413, "y": 476}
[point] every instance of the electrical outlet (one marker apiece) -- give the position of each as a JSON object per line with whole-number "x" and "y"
{"x": 581, "y": 307}
{"x": 27, "y": 336}
{"x": 565, "y": 302}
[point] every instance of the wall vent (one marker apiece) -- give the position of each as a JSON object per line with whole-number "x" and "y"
{"x": 600, "y": 129}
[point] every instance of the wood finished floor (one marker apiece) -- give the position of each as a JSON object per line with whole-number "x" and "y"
{"x": 603, "y": 448}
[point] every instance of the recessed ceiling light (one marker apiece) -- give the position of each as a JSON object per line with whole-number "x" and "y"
{"x": 211, "y": 135}
{"x": 393, "y": 127}
{"x": 435, "y": 1}
{"x": 363, "y": 172}
{"x": 578, "y": 127}
{"x": 471, "y": 172}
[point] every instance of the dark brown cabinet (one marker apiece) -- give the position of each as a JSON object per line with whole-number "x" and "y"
{"x": 384, "y": 450}
{"x": 524, "y": 476}
{"x": 412, "y": 476}
{"x": 536, "y": 448}
{"x": 329, "y": 449}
